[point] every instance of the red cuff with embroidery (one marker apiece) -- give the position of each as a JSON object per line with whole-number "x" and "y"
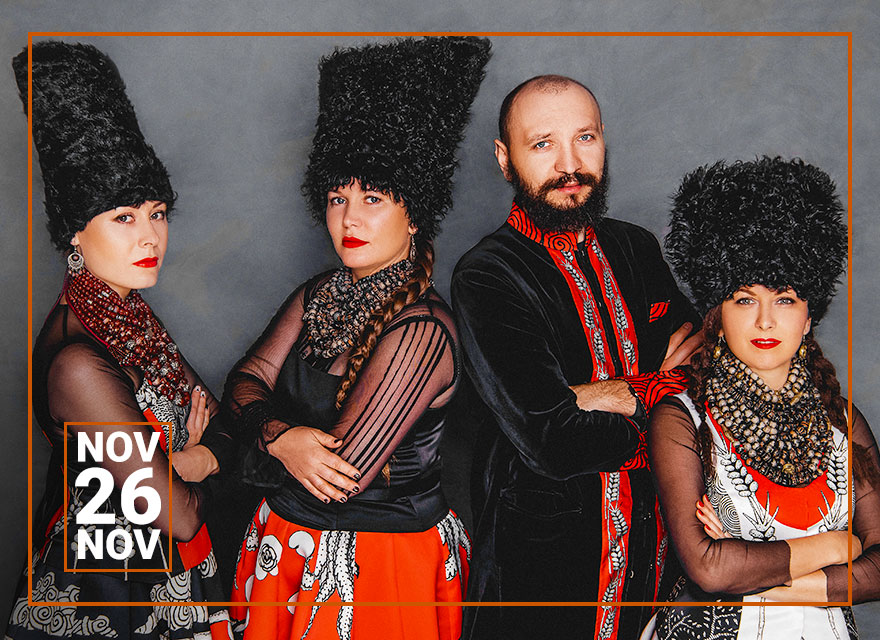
{"x": 651, "y": 388}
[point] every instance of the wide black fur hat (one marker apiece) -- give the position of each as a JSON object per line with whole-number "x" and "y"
{"x": 772, "y": 222}
{"x": 391, "y": 116}
{"x": 92, "y": 153}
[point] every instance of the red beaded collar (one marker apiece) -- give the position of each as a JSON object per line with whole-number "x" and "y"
{"x": 129, "y": 330}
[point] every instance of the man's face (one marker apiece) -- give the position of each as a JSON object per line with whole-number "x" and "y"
{"x": 555, "y": 156}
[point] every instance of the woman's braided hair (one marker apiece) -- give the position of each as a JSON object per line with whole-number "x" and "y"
{"x": 410, "y": 291}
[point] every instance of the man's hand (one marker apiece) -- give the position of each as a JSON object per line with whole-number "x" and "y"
{"x": 681, "y": 348}
{"x": 612, "y": 396}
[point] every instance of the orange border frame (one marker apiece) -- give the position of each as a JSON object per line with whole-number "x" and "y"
{"x": 41, "y": 34}
{"x": 67, "y": 499}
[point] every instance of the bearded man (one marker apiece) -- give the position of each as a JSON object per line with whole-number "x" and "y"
{"x": 559, "y": 311}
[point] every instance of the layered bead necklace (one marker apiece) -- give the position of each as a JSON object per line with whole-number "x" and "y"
{"x": 784, "y": 435}
{"x": 129, "y": 330}
{"x": 338, "y": 311}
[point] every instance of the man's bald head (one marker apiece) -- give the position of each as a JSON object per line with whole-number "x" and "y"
{"x": 549, "y": 83}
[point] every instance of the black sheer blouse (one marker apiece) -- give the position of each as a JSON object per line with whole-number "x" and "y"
{"x": 76, "y": 379}
{"x": 735, "y": 566}
{"x": 393, "y": 414}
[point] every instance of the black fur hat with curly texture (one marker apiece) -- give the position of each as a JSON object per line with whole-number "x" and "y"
{"x": 772, "y": 222}
{"x": 92, "y": 153}
{"x": 390, "y": 117}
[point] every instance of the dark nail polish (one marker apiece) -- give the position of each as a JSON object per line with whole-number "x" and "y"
{"x": 343, "y": 499}
{"x": 356, "y": 489}
{"x": 326, "y": 500}
{"x": 357, "y": 476}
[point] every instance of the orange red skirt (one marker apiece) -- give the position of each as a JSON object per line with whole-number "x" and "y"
{"x": 313, "y": 571}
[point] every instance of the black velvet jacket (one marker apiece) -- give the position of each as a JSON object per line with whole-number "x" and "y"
{"x": 537, "y": 486}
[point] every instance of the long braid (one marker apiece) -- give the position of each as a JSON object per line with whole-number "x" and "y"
{"x": 824, "y": 376}
{"x": 409, "y": 292}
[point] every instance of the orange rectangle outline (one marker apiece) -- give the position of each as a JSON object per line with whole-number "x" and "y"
{"x": 746, "y": 34}
{"x": 65, "y": 568}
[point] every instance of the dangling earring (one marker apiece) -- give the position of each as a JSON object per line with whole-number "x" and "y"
{"x": 802, "y": 350}
{"x": 412, "y": 248}
{"x": 75, "y": 261}
{"x": 717, "y": 352}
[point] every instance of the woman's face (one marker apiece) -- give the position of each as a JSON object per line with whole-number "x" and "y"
{"x": 370, "y": 231}
{"x": 124, "y": 247}
{"x": 764, "y": 329}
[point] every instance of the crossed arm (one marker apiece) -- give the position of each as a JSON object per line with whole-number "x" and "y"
{"x": 84, "y": 387}
{"x": 411, "y": 370}
{"x": 809, "y": 569}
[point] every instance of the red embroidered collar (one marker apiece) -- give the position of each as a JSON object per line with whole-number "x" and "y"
{"x": 556, "y": 240}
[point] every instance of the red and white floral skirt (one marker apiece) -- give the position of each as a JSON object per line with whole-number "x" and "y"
{"x": 313, "y": 571}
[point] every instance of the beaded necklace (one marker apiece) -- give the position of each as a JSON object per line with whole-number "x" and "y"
{"x": 129, "y": 330}
{"x": 784, "y": 435}
{"x": 339, "y": 309}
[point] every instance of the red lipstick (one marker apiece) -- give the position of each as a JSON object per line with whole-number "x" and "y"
{"x": 765, "y": 343}
{"x": 147, "y": 263}
{"x": 351, "y": 242}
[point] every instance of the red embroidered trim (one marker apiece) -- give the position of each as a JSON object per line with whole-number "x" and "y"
{"x": 616, "y": 520}
{"x": 621, "y": 320}
{"x": 616, "y": 492}
{"x": 595, "y": 335}
{"x": 651, "y": 388}
{"x": 640, "y": 457}
{"x": 794, "y": 506}
{"x": 658, "y": 310}
{"x": 558, "y": 241}
{"x": 627, "y": 343}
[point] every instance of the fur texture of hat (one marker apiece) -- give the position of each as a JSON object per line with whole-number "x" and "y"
{"x": 773, "y": 222}
{"x": 92, "y": 153}
{"x": 391, "y": 116}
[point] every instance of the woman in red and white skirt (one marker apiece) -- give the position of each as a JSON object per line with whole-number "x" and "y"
{"x": 345, "y": 394}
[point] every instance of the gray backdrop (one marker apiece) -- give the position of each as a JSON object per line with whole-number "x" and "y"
{"x": 232, "y": 118}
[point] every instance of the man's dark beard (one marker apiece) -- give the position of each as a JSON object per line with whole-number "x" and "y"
{"x": 551, "y": 218}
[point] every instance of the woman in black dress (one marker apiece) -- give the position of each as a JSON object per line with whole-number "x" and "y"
{"x": 346, "y": 391}
{"x": 103, "y": 359}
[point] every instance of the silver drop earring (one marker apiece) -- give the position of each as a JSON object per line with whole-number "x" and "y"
{"x": 75, "y": 261}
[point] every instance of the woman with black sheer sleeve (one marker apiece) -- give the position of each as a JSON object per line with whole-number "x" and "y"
{"x": 102, "y": 361}
{"x": 751, "y": 462}
{"x": 344, "y": 395}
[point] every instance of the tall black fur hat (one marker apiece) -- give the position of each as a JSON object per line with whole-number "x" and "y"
{"x": 92, "y": 153}
{"x": 391, "y": 116}
{"x": 772, "y": 222}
